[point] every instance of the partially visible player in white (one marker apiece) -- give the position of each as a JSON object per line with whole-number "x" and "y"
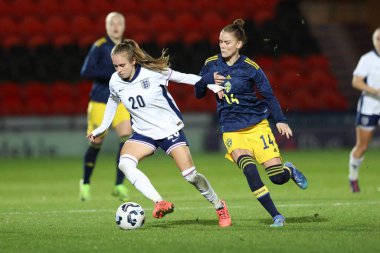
{"x": 140, "y": 83}
{"x": 366, "y": 79}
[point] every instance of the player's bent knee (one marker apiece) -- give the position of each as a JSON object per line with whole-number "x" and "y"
{"x": 277, "y": 179}
{"x": 127, "y": 163}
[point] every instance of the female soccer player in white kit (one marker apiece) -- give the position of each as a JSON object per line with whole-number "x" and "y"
{"x": 140, "y": 83}
{"x": 366, "y": 79}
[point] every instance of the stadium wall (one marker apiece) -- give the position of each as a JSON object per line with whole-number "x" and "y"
{"x": 65, "y": 136}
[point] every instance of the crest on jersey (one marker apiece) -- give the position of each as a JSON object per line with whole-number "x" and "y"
{"x": 229, "y": 142}
{"x": 227, "y": 87}
{"x": 365, "y": 120}
{"x": 145, "y": 83}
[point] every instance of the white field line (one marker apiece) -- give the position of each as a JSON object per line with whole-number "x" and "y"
{"x": 335, "y": 204}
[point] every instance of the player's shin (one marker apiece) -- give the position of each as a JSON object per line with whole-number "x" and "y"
{"x": 259, "y": 190}
{"x": 139, "y": 180}
{"x": 201, "y": 183}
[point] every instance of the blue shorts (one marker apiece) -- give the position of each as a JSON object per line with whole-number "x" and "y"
{"x": 367, "y": 121}
{"x": 167, "y": 144}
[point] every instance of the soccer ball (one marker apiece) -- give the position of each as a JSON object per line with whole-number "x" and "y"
{"x": 130, "y": 215}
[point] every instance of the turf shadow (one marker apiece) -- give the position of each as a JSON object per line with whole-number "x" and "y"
{"x": 186, "y": 222}
{"x": 303, "y": 219}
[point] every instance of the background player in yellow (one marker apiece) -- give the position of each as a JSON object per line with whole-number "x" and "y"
{"x": 98, "y": 67}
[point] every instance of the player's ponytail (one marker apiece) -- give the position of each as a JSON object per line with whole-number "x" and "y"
{"x": 133, "y": 50}
{"x": 237, "y": 28}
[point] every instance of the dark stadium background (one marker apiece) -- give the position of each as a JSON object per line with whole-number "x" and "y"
{"x": 308, "y": 49}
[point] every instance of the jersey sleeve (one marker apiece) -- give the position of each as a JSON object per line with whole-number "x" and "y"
{"x": 207, "y": 75}
{"x": 95, "y": 65}
{"x": 179, "y": 77}
{"x": 362, "y": 67}
{"x": 265, "y": 89}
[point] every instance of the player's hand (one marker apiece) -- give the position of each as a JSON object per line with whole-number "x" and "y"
{"x": 215, "y": 88}
{"x": 377, "y": 93}
{"x": 91, "y": 137}
{"x": 284, "y": 129}
{"x": 219, "y": 79}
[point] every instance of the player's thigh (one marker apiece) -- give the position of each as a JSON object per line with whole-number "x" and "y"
{"x": 363, "y": 136}
{"x": 137, "y": 150}
{"x": 236, "y": 145}
{"x": 95, "y": 113}
{"x": 122, "y": 121}
{"x": 182, "y": 157}
{"x": 263, "y": 143}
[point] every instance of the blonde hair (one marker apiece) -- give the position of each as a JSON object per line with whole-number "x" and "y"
{"x": 237, "y": 29}
{"x": 113, "y": 14}
{"x": 133, "y": 50}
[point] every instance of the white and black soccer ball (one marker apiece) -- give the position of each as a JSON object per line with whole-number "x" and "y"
{"x": 130, "y": 215}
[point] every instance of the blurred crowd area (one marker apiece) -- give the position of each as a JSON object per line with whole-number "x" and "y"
{"x": 44, "y": 42}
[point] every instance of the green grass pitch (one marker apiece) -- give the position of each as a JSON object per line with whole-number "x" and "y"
{"x": 40, "y": 210}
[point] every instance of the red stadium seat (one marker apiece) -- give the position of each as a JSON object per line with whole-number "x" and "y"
{"x": 62, "y": 106}
{"x": 37, "y": 106}
{"x": 318, "y": 62}
{"x": 159, "y": 6}
{"x": 212, "y": 23}
{"x": 61, "y": 89}
{"x": 291, "y": 81}
{"x": 8, "y": 26}
{"x": 36, "y": 90}
{"x": 190, "y": 38}
{"x": 135, "y": 24}
{"x": 48, "y": 8}
{"x": 11, "y": 89}
{"x": 12, "y": 106}
{"x": 99, "y": 8}
{"x": 319, "y": 79}
{"x": 127, "y": 7}
{"x": 165, "y": 39}
{"x": 80, "y": 26}
{"x": 56, "y": 25}
{"x": 290, "y": 62}
{"x": 160, "y": 23}
{"x": 188, "y": 21}
{"x": 5, "y": 8}
{"x": 31, "y": 26}
{"x": 36, "y": 41}
{"x": 62, "y": 40}
{"x": 266, "y": 63}
{"x": 12, "y": 41}
{"x": 24, "y": 8}
{"x": 73, "y": 8}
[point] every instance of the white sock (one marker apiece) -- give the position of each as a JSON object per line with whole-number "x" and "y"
{"x": 202, "y": 185}
{"x": 354, "y": 166}
{"x": 139, "y": 180}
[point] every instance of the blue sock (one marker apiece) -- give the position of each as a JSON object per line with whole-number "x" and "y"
{"x": 260, "y": 191}
{"x": 89, "y": 162}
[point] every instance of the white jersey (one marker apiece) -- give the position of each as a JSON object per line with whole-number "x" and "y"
{"x": 153, "y": 110}
{"x": 369, "y": 68}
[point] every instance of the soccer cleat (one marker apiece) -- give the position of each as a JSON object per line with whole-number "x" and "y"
{"x": 297, "y": 176}
{"x": 120, "y": 191}
{"x": 354, "y": 184}
{"x": 224, "y": 216}
{"x": 162, "y": 208}
{"x": 278, "y": 221}
{"x": 84, "y": 191}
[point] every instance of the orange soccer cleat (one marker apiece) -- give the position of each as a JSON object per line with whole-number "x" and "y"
{"x": 162, "y": 208}
{"x": 224, "y": 216}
